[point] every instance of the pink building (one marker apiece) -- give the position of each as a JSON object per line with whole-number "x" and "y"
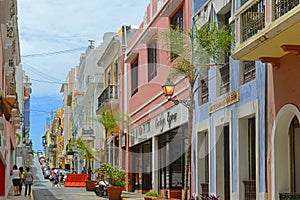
{"x": 155, "y": 138}
{"x": 9, "y": 113}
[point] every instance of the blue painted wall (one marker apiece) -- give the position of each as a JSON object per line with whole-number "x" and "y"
{"x": 249, "y": 92}
{"x": 197, "y": 4}
{"x": 26, "y": 127}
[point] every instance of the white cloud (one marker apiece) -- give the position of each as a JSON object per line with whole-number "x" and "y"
{"x": 56, "y": 25}
{"x": 49, "y": 26}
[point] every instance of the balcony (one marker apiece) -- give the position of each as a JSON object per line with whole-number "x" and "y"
{"x": 265, "y": 31}
{"x": 109, "y": 97}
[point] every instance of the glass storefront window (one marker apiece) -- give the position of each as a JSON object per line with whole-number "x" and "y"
{"x": 171, "y": 157}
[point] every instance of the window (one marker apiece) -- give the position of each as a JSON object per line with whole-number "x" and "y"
{"x": 176, "y": 22}
{"x": 152, "y": 60}
{"x": 177, "y": 19}
{"x": 203, "y": 91}
{"x": 249, "y": 71}
{"x": 108, "y": 77}
{"x": 225, "y": 74}
{"x": 251, "y": 148}
{"x": 134, "y": 77}
{"x": 116, "y": 72}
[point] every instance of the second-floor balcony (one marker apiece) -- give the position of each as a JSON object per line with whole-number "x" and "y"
{"x": 267, "y": 29}
{"x": 109, "y": 97}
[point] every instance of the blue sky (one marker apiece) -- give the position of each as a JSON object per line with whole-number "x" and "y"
{"x": 53, "y": 34}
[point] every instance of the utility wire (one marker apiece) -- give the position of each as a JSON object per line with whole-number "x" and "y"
{"x": 51, "y": 82}
{"x": 53, "y": 53}
{"x": 39, "y": 73}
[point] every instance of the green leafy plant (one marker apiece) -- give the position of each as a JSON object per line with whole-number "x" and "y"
{"x": 114, "y": 175}
{"x": 152, "y": 193}
{"x": 195, "y": 50}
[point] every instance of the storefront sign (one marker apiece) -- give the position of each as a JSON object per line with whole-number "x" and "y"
{"x": 140, "y": 133}
{"x": 168, "y": 118}
{"x": 165, "y": 121}
{"x": 226, "y": 101}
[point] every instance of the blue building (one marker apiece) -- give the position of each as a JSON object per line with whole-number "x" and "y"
{"x": 229, "y": 137}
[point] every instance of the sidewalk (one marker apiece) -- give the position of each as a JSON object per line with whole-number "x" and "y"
{"x": 80, "y": 192}
{"x": 11, "y": 196}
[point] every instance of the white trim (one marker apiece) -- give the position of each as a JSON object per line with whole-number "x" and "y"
{"x": 201, "y": 127}
{"x": 220, "y": 121}
{"x": 287, "y": 111}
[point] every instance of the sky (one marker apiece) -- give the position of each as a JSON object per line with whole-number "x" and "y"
{"x": 53, "y": 34}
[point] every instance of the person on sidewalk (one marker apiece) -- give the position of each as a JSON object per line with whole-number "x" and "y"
{"x": 28, "y": 181}
{"x": 16, "y": 177}
{"x": 22, "y": 179}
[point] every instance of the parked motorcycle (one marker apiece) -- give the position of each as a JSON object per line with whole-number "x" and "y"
{"x": 100, "y": 188}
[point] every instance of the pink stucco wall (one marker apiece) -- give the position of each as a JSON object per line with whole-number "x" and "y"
{"x": 283, "y": 88}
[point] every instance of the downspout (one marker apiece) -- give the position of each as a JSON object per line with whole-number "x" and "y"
{"x": 126, "y": 107}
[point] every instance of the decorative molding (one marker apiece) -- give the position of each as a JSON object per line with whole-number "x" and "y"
{"x": 273, "y": 61}
{"x": 294, "y": 49}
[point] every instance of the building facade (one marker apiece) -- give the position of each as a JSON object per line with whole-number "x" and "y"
{"x": 229, "y": 158}
{"x": 156, "y": 135}
{"x": 273, "y": 39}
{"x": 9, "y": 109}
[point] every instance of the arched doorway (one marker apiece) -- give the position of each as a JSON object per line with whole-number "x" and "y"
{"x": 286, "y": 152}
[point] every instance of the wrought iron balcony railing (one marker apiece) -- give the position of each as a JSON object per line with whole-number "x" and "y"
{"x": 283, "y": 6}
{"x": 249, "y": 71}
{"x": 109, "y": 93}
{"x": 253, "y": 20}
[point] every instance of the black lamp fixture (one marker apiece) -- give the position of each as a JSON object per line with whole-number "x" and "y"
{"x": 168, "y": 90}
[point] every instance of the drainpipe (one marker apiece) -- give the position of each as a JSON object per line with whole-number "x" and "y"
{"x": 125, "y": 106}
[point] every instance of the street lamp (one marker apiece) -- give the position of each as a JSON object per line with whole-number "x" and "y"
{"x": 168, "y": 90}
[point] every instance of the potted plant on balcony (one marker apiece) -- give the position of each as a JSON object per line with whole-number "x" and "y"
{"x": 116, "y": 179}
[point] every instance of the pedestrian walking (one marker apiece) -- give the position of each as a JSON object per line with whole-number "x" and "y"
{"x": 28, "y": 181}
{"x": 83, "y": 170}
{"x": 16, "y": 178}
{"x": 22, "y": 172}
{"x": 73, "y": 171}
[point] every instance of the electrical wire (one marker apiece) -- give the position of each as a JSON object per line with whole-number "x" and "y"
{"x": 51, "y": 82}
{"x": 36, "y": 71}
{"x": 53, "y": 53}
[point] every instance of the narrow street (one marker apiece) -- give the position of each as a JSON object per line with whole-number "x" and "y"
{"x": 43, "y": 189}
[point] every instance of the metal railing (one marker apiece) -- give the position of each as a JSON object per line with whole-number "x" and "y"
{"x": 111, "y": 92}
{"x": 249, "y": 72}
{"x": 283, "y": 6}
{"x": 253, "y": 20}
{"x": 225, "y": 76}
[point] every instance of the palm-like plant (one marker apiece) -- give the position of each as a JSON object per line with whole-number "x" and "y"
{"x": 109, "y": 120}
{"x": 193, "y": 55}
{"x": 84, "y": 148}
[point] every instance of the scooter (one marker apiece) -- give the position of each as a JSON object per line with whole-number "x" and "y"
{"x": 100, "y": 188}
